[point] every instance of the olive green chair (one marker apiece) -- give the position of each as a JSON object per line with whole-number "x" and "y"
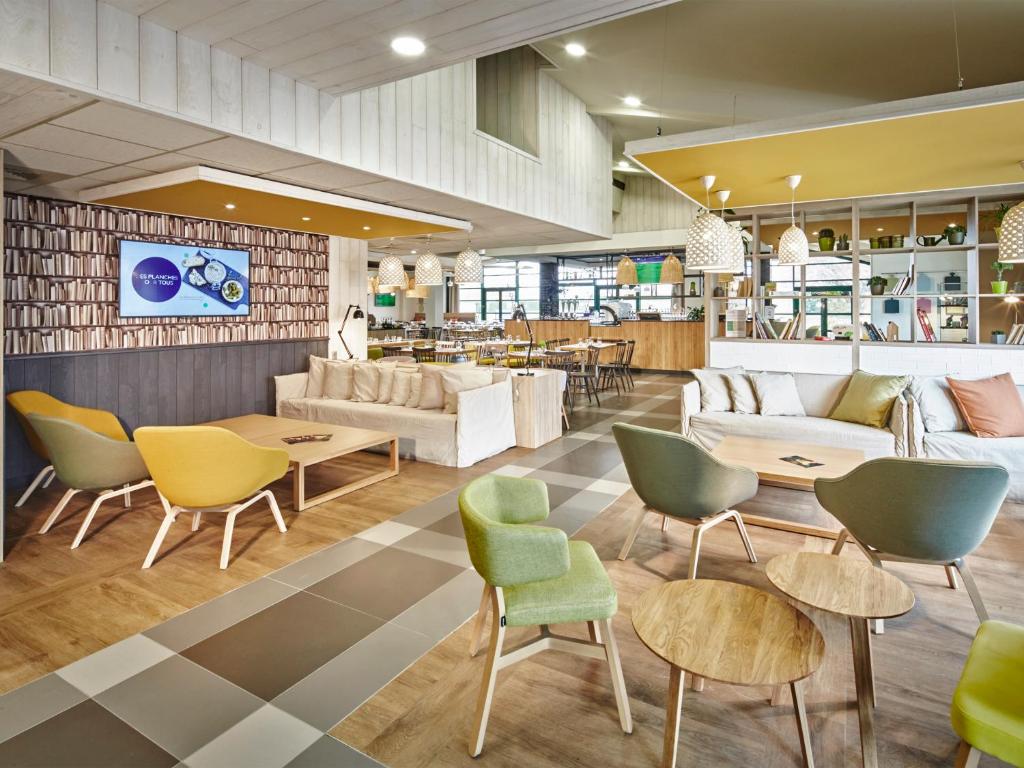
{"x": 85, "y": 460}
{"x": 988, "y": 706}
{"x": 534, "y": 576}
{"x": 929, "y": 511}
{"x": 678, "y": 479}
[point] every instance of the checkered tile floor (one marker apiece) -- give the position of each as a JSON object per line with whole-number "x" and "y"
{"x": 258, "y": 676}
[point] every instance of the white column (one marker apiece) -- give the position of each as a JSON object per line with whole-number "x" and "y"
{"x": 346, "y": 285}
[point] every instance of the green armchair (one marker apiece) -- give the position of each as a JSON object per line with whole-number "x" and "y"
{"x": 85, "y": 460}
{"x": 534, "y": 576}
{"x": 676, "y": 478}
{"x": 928, "y": 511}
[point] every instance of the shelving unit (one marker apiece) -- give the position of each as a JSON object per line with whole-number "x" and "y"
{"x": 61, "y": 273}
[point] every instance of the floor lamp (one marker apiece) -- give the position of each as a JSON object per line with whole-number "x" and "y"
{"x": 357, "y": 315}
{"x": 519, "y": 313}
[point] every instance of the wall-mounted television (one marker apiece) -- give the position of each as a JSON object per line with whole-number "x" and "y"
{"x": 168, "y": 280}
{"x": 384, "y": 300}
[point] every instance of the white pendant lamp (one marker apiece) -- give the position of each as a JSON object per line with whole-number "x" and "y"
{"x": 391, "y": 272}
{"x": 428, "y": 268}
{"x": 469, "y": 268}
{"x": 1011, "y": 235}
{"x": 793, "y": 248}
{"x": 735, "y": 259}
{"x": 706, "y": 244}
{"x": 625, "y": 272}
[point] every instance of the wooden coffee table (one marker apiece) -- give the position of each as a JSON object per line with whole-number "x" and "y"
{"x": 267, "y": 431}
{"x": 731, "y": 633}
{"x": 765, "y": 458}
{"x": 854, "y": 589}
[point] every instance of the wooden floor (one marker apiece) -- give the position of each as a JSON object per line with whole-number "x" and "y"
{"x": 58, "y": 605}
{"x": 558, "y": 710}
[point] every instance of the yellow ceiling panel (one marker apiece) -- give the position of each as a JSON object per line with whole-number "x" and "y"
{"x": 955, "y": 149}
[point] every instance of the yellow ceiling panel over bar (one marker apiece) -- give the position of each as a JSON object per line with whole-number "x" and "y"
{"x": 950, "y": 147}
{"x": 209, "y": 193}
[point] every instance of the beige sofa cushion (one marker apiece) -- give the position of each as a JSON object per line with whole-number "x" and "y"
{"x": 714, "y": 389}
{"x": 777, "y": 394}
{"x": 315, "y": 380}
{"x": 415, "y": 390}
{"x": 402, "y": 387}
{"x": 338, "y": 380}
{"x": 385, "y": 383}
{"x": 365, "y": 383}
{"x": 741, "y": 391}
{"x": 936, "y": 405}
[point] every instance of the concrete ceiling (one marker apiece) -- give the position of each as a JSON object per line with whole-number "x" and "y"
{"x": 736, "y": 61}
{"x": 344, "y": 45}
{"x": 57, "y": 143}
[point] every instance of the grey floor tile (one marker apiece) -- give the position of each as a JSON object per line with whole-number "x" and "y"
{"x": 387, "y": 583}
{"x": 432, "y": 511}
{"x": 104, "y": 669}
{"x": 31, "y": 704}
{"x": 446, "y": 609}
{"x": 580, "y": 510}
{"x": 328, "y": 751}
{"x": 84, "y": 736}
{"x": 332, "y": 692}
{"x": 439, "y": 546}
{"x": 577, "y": 482}
{"x": 593, "y": 459}
{"x": 272, "y": 650}
{"x": 451, "y": 525}
{"x": 268, "y": 738}
{"x": 618, "y": 475}
{"x": 311, "y": 569}
{"x": 220, "y": 613}
{"x": 201, "y": 705}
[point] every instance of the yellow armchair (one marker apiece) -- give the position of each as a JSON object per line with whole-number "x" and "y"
{"x": 200, "y": 469}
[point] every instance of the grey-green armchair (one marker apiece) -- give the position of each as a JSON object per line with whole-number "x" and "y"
{"x": 928, "y": 511}
{"x": 676, "y": 478}
{"x": 85, "y": 460}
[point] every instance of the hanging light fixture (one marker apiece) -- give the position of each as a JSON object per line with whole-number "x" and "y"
{"x": 372, "y": 286}
{"x": 1011, "y": 234}
{"x": 625, "y": 272}
{"x": 735, "y": 257}
{"x": 793, "y": 248}
{"x": 707, "y": 239}
{"x": 469, "y": 268}
{"x": 417, "y": 291}
{"x": 671, "y": 270}
{"x": 428, "y": 268}
{"x": 391, "y": 271}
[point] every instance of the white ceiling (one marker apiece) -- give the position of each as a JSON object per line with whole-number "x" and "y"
{"x": 737, "y": 61}
{"x": 57, "y": 144}
{"x": 344, "y": 45}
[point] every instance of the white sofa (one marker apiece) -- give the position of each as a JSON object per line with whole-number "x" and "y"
{"x": 483, "y": 425}
{"x": 937, "y": 431}
{"x": 819, "y": 394}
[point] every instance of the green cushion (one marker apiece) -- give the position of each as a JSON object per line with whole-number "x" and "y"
{"x": 988, "y": 705}
{"x": 868, "y": 399}
{"x": 584, "y": 593}
{"x": 374, "y": 353}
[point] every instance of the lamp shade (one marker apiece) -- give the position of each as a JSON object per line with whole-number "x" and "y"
{"x": 706, "y": 245}
{"x": 372, "y": 286}
{"x": 625, "y": 272}
{"x": 1011, "y": 236}
{"x": 737, "y": 257}
{"x": 391, "y": 273}
{"x": 793, "y": 248}
{"x": 469, "y": 268}
{"x": 417, "y": 291}
{"x": 671, "y": 270}
{"x": 428, "y": 269}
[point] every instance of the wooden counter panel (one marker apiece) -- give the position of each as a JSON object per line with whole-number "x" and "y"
{"x": 573, "y": 330}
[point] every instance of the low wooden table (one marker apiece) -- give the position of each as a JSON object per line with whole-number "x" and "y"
{"x": 854, "y": 589}
{"x": 765, "y": 458}
{"x": 268, "y": 430}
{"x": 731, "y": 633}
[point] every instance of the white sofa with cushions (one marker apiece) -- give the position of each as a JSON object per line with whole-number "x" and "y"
{"x": 818, "y": 394}
{"x": 473, "y": 421}
{"x": 938, "y": 431}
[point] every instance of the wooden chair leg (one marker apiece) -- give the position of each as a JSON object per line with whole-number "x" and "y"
{"x": 743, "y": 535}
{"x": 801, "y": 724}
{"x": 125, "y": 491}
{"x": 972, "y": 589}
{"x": 698, "y": 535}
{"x": 229, "y": 529}
{"x": 673, "y": 710}
{"x": 197, "y": 518}
{"x": 486, "y": 695}
{"x": 46, "y": 473}
{"x": 611, "y": 649}
{"x": 481, "y": 621}
{"x": 967, "y": 756}
{"x": 276, "y": 511}
{"x": 58, "y": 509}
{"x": 664, "y": 523}
{"x": 840, "y": 541}
{"x": 594, "y": 631}
{"x": 951, "y": 577}
{"x": 631, "y": 536}
{"x": 170, "y": 514}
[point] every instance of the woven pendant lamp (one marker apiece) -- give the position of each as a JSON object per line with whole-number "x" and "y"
{"x": 1011, "y": 236}
{"x": 794, "y": 250}
{"x": 625, "y": 272}
{"x": 428, "y": 268}
{"x": 417, "y": 291}
{"x": 671, "y": 270}
{"x": 469, "y": 267}
{"x": 706, "y": 240}
{"x": 391, "y": 272}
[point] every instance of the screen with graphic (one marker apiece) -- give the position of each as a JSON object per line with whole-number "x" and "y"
{"x": 167, "y": 280}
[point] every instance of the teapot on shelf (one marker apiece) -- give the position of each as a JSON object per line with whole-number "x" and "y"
{"x": 929, "y": 242}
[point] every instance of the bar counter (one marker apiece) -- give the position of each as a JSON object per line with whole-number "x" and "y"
{"x": 670, "y": 345}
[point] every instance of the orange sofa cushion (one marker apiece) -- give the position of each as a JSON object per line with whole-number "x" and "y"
{"x": 991, "y": 407}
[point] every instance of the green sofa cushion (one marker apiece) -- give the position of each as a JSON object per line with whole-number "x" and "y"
{"x": 868, "y": 399}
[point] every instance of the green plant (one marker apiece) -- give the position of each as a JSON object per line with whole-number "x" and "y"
{"x": 1001, "y": 211}
{"x": 954, "y": 228}
{"x": 695, "y": 313}
{"x": 826, "y": 233}
{"x": 878, "y": 280}
{"x": 998, "y": 267}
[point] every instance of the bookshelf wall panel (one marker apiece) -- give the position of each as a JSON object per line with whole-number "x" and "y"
{"x": 61, "y": 268}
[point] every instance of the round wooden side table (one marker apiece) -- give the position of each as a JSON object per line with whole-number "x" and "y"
{"x": 854, "y": 589}
{"x": 731, "y": 633}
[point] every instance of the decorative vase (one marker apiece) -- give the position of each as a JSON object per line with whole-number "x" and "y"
{"x": 998, "y": 337}
{"x": 897, "y": 241}
{"x": 999, "y": 286}
{"x": 955, "y": 238}
{"x": 693, "y": 288}
{"x": 878, "y": 289}
{"x": 826, "y": 243}
{"x": 874, "y": 242}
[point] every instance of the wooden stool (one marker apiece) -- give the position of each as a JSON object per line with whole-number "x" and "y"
{"x": 859, "y": 591}
{"x": 731, "y": 633}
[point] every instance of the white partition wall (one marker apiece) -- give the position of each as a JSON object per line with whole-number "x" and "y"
{"x": 346, "y": 285}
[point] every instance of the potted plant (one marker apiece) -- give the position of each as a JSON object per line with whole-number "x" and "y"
{"x": 878, "y": 283}
{"x": 999, "y": 285}
{"x": 955, "y": 234}
{"x": 998, "y": 337}
{"x": 826, "y": 239}
{"x": 843, "y": 243}
{"x": 1000, "y": 212}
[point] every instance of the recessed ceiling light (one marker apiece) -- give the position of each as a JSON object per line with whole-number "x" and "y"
{"x": 952, "y": 223}
{"x": 230, "y": 206}
{"x": 814, "y": 233}
{"x": 575, "y": 49}
{"x": 408, "y": 46}
{"x": 305, "y": 218}
{"x": 880, "y": 229}
{"x": 624, "y": 165}
{"x": 366, "y": 229}
{"x": 413, "y": 252}
{"x": 632, "y": 101}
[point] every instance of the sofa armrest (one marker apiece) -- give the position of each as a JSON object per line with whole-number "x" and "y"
{"x": 485, "y": 422}
{"x": 690, "y": 404}
{"x": 289, "y": 387}
{"x": 915, "y": 428}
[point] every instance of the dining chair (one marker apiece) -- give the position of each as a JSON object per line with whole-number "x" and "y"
{"x": 534, "y": 576}
{"x": 585, "y": 376}
{"x": 613, "y": 371}
{"x": 424, "y": 354}
{"x": 627, "y": 364}
{"x": 678, "y": 479}
{"x": 931, "y": 511}
{"x": 208, "y": 469}
{"x": 85, "y": 460}
{"x": 396, "y": 351}
{"x": 29, "y": 401}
